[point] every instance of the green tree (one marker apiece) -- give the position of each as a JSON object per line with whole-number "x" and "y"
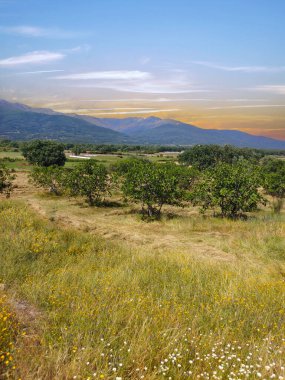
{"x": 274, "y": 181}
{"x": 90, "y": 180}
{"x": 153, "y": 185}
{"x": 6, "y": 180}
{"x": 207, "y": 156}
{"x": 233, "y": 188}
{"x": 77, "y": 149}
{"x": 44, "y": 153}
{"x": 51, "y": 178}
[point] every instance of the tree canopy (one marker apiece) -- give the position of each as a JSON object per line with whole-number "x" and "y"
{"x": 274, "y": 181}
{"x": 6, "y": 180}
{"x": 232, "y": 188}
{"x": 154, "y": 185}
{"x": 206, "y": 156}
{"x": 90, "y": 180}
{"x": 44, "y": 153}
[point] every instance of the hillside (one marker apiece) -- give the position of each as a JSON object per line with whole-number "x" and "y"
{"x": 153, "y": 130}
{"x": 20, "y": 122}
{"x": 172, "y": 132}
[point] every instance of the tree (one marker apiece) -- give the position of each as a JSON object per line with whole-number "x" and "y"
{"x": 6, "y": 180}
{"x": 90, "y": 180}
{"x": 274, "y": 181}
{"x": 77, "y": 149}
{"x": 44, "y": 153}
{"x": 51, "y": 178}
{"x": 153, "y": 185}
{"x": 207, "y": 156}
{"x": 233, "y": 188}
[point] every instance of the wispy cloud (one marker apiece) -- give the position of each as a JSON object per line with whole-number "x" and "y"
{"x": 133, "y": 81}
{"x": 172, "y": 100}
{"x": 35, "y": 31}
{"x": 78, "y": 49}
{"x": 274, "y": 89}
{"x": 38, "y": 72}
{"x": 32, "y": 58}
{"x": 248, "y": 106}
{"x": 245, "y": 69}
{"x": 114, "y": 109}
{"x": 144, "y": 60}
{"x": 146, "y": 87}
{"x": 136, "y": 112}
{"x": 109, "y": 75}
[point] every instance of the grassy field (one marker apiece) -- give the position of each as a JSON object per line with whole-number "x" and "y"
{"x": 109, "y": 311}
{"x": 15, "y": 160}
{"x": 96, "y": 293}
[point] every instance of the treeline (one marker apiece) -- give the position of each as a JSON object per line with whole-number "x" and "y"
{"x": 230, "y": 181}
{"x": 100, "y": 148}
{"x": 143, "y": 149}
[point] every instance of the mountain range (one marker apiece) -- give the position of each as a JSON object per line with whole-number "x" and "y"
{"x": 21, "y": 122}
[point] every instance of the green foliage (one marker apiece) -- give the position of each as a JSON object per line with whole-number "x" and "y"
{"x": 90, "y": 180}
{"x": 206, "y": 156}
{"x": 77, "y": 149}
{"x": 153, "y": 185}
{"x": 231, "y": 187}
{"x": 128, "y": 164}
{"x": 44, "y": 153}
{"x": 274, "y": 181}
{"x": 51, "y": 178}
{"x": 6, "y": 180}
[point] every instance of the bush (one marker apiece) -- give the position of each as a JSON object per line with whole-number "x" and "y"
{"x": 6, "y": 180}
{"x": 206, "y": 156}
{"x": 231, "y": 187}
{"x": 90, "y": 180}
{"x": 274, "y": 181}
{"x": 77, "y": 150}
{"x": 44, "y": 153}
{"x": 51, "y": 178}
{"x": 154, "y": 185}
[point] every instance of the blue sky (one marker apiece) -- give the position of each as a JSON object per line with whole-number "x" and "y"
{"x": 216, "y": 64}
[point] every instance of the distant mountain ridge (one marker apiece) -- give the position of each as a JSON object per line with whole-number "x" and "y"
{"x": 21, "y": 122}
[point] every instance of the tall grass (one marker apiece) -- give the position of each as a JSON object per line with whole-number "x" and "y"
{"x": 116, "y": 313}
{"x": 8, "y": 332}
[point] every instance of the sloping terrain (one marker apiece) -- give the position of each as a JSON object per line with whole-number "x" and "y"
{"x": 17, "y": 123}
{"x": 20, "y": 122}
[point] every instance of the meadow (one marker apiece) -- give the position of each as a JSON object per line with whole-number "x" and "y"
{"x": 97, "y": 293}
{"x": 14, "y": 159}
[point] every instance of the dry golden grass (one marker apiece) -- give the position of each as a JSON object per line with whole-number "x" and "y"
{"x": 114, "y": 297}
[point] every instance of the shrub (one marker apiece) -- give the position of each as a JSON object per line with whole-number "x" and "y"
{"x": 274, "y": 181}
{"x": 44, "y": 153}
{"x": 6, "y": 180}
{"x": 153, "y": 185}
{"x": 233, "y": 188}
{"x": 206, "y": 156}
{"x": 51, "y": 178}
{"x": 90, "y": 180}
{"x": 77, "y": 150}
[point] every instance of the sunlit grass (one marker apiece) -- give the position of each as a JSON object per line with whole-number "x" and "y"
{"x": 8, "y": 332}
{"x": 112, "y": 312}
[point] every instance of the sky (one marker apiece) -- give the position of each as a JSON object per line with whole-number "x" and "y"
{"x": 217, "y": 64}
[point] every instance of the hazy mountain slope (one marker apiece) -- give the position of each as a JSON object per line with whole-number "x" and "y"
{"x": 153, "y": 130}
{"x": 124, "y": 125}
{"x": 23, "y": 125}
{"x": 185, "y": 134}
{"x": 20, "y": 122}
{"x": 8, "y": 106}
